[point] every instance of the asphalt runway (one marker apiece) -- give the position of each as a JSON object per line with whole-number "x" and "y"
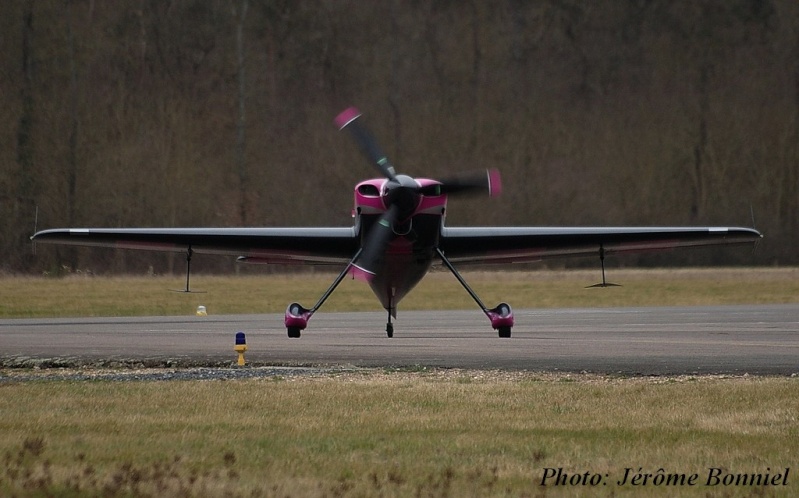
{"x": 636, "y": 341}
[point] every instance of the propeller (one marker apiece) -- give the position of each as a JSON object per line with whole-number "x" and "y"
{"x": 401, "y": 193}
{"x": 349, "y": 119}
{"x": 377, "y": 242}
{"x": 488, "y": 180}
{"x": 474, "y": 182}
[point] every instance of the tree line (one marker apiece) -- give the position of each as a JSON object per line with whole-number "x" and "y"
{"x": 219, "y": 113}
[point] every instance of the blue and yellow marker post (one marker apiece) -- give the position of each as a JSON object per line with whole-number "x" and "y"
{"x": 240, "y": 347}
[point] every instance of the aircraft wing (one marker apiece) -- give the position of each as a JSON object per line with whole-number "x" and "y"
{"x": 526, "y": 244}
{"x": 260, "y": 245}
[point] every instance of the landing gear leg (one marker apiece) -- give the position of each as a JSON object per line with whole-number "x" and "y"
{"x": 189, "y": 252}
{"x": 501, "y": 317}
{"x": 389, "y": 325}
{"x": 296, "y": 318}
{"x": 604, "y": 283}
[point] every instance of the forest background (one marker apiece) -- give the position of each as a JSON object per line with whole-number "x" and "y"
{"x": 125, "y": 113}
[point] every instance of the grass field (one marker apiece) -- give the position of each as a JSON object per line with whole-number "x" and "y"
{"x": 81, "y": 295}
{"x": 376, "y": 433}
{"x": 419, "y": 432}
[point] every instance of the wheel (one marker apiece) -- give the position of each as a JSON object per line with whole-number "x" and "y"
{"x": 390, "y": 329}
{"x": 294, "y": 332}
{"x": 504, "y": 332}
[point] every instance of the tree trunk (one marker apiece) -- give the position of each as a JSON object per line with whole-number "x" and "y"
{"x": 700, "y": 148}
{"x": 23, "y": 203}
{"x": 241, "y": 165}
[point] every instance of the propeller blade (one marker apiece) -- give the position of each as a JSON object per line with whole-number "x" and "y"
{"x": 349, "y": 119}
{"x": 488, "y": 180}
{"x": 376, "y": 243}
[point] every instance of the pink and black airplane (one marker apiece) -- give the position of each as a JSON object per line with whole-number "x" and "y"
{"x": 398, "y": 234}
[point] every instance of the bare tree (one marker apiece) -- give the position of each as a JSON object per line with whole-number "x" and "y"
{"x": 26, "y": 188}
{"x": 675, "y": 110}
{"x": 72, "y": 140}
{"x": 241, "y": 145}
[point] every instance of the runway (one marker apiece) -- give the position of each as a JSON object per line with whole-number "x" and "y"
{"x": 762, "y": 340}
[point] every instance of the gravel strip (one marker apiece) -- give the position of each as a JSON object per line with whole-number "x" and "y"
{"x": 152, "y": 374}
{"x": 27, "y": 369}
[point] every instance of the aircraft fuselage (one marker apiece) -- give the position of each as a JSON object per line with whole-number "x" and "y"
{"x": 415, "y": 237}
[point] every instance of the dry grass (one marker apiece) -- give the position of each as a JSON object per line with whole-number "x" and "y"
{"x": 81, "y": 295}
{"x": 429, "y": 433}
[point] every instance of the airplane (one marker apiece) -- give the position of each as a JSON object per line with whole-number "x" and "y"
{"x": 397, "y": 235}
